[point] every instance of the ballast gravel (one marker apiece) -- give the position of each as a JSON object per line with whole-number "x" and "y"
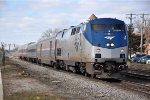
{"x": 78, "y": 87}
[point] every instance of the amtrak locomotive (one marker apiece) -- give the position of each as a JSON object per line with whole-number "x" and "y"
{"x": 97, "y": 47}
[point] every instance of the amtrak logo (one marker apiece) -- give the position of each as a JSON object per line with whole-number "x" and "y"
{"x": 109, "y": 37}
{"x": 108, "y": 33}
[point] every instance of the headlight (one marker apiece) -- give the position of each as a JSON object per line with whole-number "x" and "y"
{"x": 122, "y": 50}
{"x": 98, "y": 50}
{"x": 107, "y": 44}
{"x": 112, "y": 44}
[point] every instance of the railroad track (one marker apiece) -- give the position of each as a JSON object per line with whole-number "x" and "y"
{"x": 137, "y": 81}
{"x": 137, "y": 87}
{"x": 132, "y": 84}
{"x": 137, "y": 74}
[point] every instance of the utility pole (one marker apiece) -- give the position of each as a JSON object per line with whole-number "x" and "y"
{"x": 142, "y": 29}
{"x": 3, "y": 50}
{"x": 9, "y": 47}
{"x": 131, "y": 24}
{"x": 130, "y": 18}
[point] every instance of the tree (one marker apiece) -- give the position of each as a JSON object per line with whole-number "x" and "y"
{"x": 134, "y": 40}
{"x": 3, "y": 51}
{"x": 130, "y": 35}
{"x": 50, "y": 32}
{"x": 147, "y": 30}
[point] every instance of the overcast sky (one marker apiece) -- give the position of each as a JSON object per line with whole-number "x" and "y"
{"x": 23, "y": 21}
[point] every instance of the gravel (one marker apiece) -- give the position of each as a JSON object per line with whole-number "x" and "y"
{"x": 77, "y": 87}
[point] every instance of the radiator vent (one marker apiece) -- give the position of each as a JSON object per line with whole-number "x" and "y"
{"x": 97, "y": 55}
{"x": 122, "y": 55}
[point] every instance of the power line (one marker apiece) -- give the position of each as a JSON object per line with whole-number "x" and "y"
{"x": 131, "y": 18}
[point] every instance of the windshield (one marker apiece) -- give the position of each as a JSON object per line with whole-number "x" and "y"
{"x": 119, "y": 27}
{"x": 147, "y": 56}
{"x": 138, "y": 55}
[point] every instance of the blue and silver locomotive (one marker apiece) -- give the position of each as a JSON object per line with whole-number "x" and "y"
{"x": 97, "y": 47}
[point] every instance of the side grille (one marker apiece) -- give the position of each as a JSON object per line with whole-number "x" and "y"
{"x": 97, "y": 55}
{"x": 122, "y": 55}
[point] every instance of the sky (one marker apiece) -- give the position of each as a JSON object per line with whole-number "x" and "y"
{"x": 24, "y": 21}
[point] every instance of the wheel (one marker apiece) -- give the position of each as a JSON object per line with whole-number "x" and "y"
{"x": 39, "y": 62}
{"x": 65, "y": 68}
{"x": 51, "y": 64}
{"x": 74, "y": 70}
{"x": 62, "y": 65}
{"x": 55, "y": 66}
{"x": 82, "y": 70}
{"x": 36, "y": 60}
{"x": 93, "y": 76}
{"x": 86, "y": 74}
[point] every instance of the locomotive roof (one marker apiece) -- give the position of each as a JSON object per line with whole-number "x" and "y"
{"x": 94, "y": 21}
{"x": 106, "y": 21}
{"x": 32, "y": 44}
{"x": 44, "y": 39}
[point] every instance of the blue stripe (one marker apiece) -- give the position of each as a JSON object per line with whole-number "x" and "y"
{"x": 46, "y": 52}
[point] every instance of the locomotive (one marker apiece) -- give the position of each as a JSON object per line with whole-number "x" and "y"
{"x": 97, "y": 47}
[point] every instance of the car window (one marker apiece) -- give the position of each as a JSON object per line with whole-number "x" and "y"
{"x": 148, "y": 56}
{"x": 140, "y": 55}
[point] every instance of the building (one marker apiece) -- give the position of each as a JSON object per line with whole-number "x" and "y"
{"x": 147, "y": 48}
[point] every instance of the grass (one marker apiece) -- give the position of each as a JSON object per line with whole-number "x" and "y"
{"x": 12, "y": 71}
{"x": 138, "y": 66}
{"x": 31, "y": 96}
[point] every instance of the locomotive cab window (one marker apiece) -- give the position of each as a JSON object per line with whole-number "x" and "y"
{"x": 77, "y": 30}
{"x": 73, "y": 31}
{"x": 117, "y": 27}
{"x": 99, "y": 26}
{"x": 62, "y": 34}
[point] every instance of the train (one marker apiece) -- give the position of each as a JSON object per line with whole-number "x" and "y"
{"x": 98, "y": 47}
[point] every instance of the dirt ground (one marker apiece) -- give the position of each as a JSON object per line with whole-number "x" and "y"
{"x": 19, "y": 85}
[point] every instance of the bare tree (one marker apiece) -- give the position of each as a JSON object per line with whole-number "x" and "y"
{"x": 146, "y": 31}
{"x": 50, "y": 32}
